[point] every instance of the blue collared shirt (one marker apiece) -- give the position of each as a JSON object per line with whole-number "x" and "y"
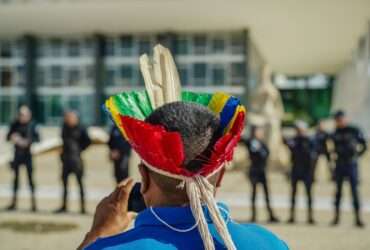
{"x": 150, "y": 233}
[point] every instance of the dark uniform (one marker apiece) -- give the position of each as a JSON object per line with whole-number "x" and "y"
{"x": 321, "y": 143}
{"x": 258, "y": 154}
{"x": 302, "y": 157}
{"x": 75, "y": 140}
{"x": 23, "y": 156}
{"x": 118, "y": 143}
{"x": 349, "y": 144}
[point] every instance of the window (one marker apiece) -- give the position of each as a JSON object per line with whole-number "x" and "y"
{"x": 237, "y": 70}
{"x": 73, "y": 48}
{"x": 110, "y": 81}
{"x": 5, "y": 77}
{"x": 184, "y": 75}
{"x": 237, "y": 73}
{"x": 218, "y": 75}
{"x": 126, "y": 74}
{"x": 40, "y": 77}
{"x": 200, "y": 44}
{"x": 56, "y": 47}
{"x": 56, "y": 75}
{"x": 182, "y": 46}
{"x": 200, "y": 72}
{"x": 109, "y": 47}
{"x": 73, "y": 77}
{"x": 218, "y": 45}
{"x": 5, "y": 50}
{"x": 237, "y": 44}
{"x": 20, "y": 75}
{"x": 126, "y": 45}
{"x": 144, "y": 46}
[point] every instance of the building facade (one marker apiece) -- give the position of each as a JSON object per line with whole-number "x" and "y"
{"x": 54, "y": 74}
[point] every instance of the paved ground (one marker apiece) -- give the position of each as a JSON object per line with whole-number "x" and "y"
{"x": 24, "y": 230}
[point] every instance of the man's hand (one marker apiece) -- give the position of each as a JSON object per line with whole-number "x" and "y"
{"x": 111, "y": 215}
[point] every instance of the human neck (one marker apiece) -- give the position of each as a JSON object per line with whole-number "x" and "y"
{"x": 166, "y": 201}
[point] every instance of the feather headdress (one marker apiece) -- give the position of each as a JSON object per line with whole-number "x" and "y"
{"x": 162, "y": 150}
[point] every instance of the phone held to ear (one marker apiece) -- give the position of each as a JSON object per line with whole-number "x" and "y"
{"x": 135, "y": 201}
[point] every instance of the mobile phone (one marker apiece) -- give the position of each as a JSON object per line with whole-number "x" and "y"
{"x": 135, "y": 201}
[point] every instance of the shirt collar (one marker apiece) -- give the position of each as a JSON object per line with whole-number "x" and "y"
{"x": 174, "y": 215}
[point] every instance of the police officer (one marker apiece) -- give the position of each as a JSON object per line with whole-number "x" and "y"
{"x": 302, "y": 150}
{"x": 22, "y": 134}
{"x": 258, "y": 154}
{"x": 119, "y": 153}
{"x": 321, "y": 142}
{"x": 349, "y": 145}
{"x": 75, "y": 140}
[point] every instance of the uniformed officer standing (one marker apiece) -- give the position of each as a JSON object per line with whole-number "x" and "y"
{"x": 75, "y": 140}
{"x": 349, "y": 145}
{"x": 22, "y": 134}
{"x": 321, "y": 142}
{"x": 258, "y": 154}
{"x": 119, "y": 153}
{"x": 302, "y": 158}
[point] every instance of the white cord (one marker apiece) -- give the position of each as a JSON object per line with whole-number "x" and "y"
{"x": 171, "y": 227}
{"x": 187, "y": 229}
{"x": 227, "y": 219}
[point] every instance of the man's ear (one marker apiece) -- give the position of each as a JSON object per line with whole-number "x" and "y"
{"x": 144, "y": 178}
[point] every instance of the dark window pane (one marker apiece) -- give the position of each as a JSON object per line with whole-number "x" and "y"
{"x": 200, "y": 44}
{"x": 126, "y": 45}
{"x": 110, "y": 77}
{"x": 56, "y": 47}
{"x": 184, "y": 75}
{"x": 237, "y": 73}
{"x": 218, "y": 46}
{"x": 73, "y": 48}
{"x": 199, "y": 70}
{"x": 5, "y": 50}
{"x": 74, "y": 77}
{"x": 5, "y": 110}
{"x": 237, "y": 44}
{"x": 237, "y": 70}
{"x": 6, "y": 78}
{"x": 56, "y": 108}
{"x": 40, "y": 77}
{"x": 144, "y": 46}
{"x": 109, "y": 47}
{"x": 218, "y": 75}
{"x": 21, "y": 75}
{"x": 56, "y": 75}
{"x": 126, "y": 74}
{"x": 182, "y": 47}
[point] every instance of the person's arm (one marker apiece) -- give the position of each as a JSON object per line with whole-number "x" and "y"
{"x": 362, "y": 143}
{"x": 10, "y": 132}
{"x": 111, "y": 214}
{"x": 111, "y": 139}
{"x": 85, "y": 140}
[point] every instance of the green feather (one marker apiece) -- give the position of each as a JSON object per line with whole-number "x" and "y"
{"x": 199, "y": 98}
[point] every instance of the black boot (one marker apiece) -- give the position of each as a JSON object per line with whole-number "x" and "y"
{"x": 336, "y": 219}
{"x": 82, "y": 208}
{"x": 310, "y": 219}
{"x": 33, "y": 203}
{"x": 253, "y": 218}
{"x": 62, "y": 209}
{"x": 13, "y": 204}
{"x": 358, "y": 222}
{"x": 292, "y": 216}
{"x": 272, "y": 218}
